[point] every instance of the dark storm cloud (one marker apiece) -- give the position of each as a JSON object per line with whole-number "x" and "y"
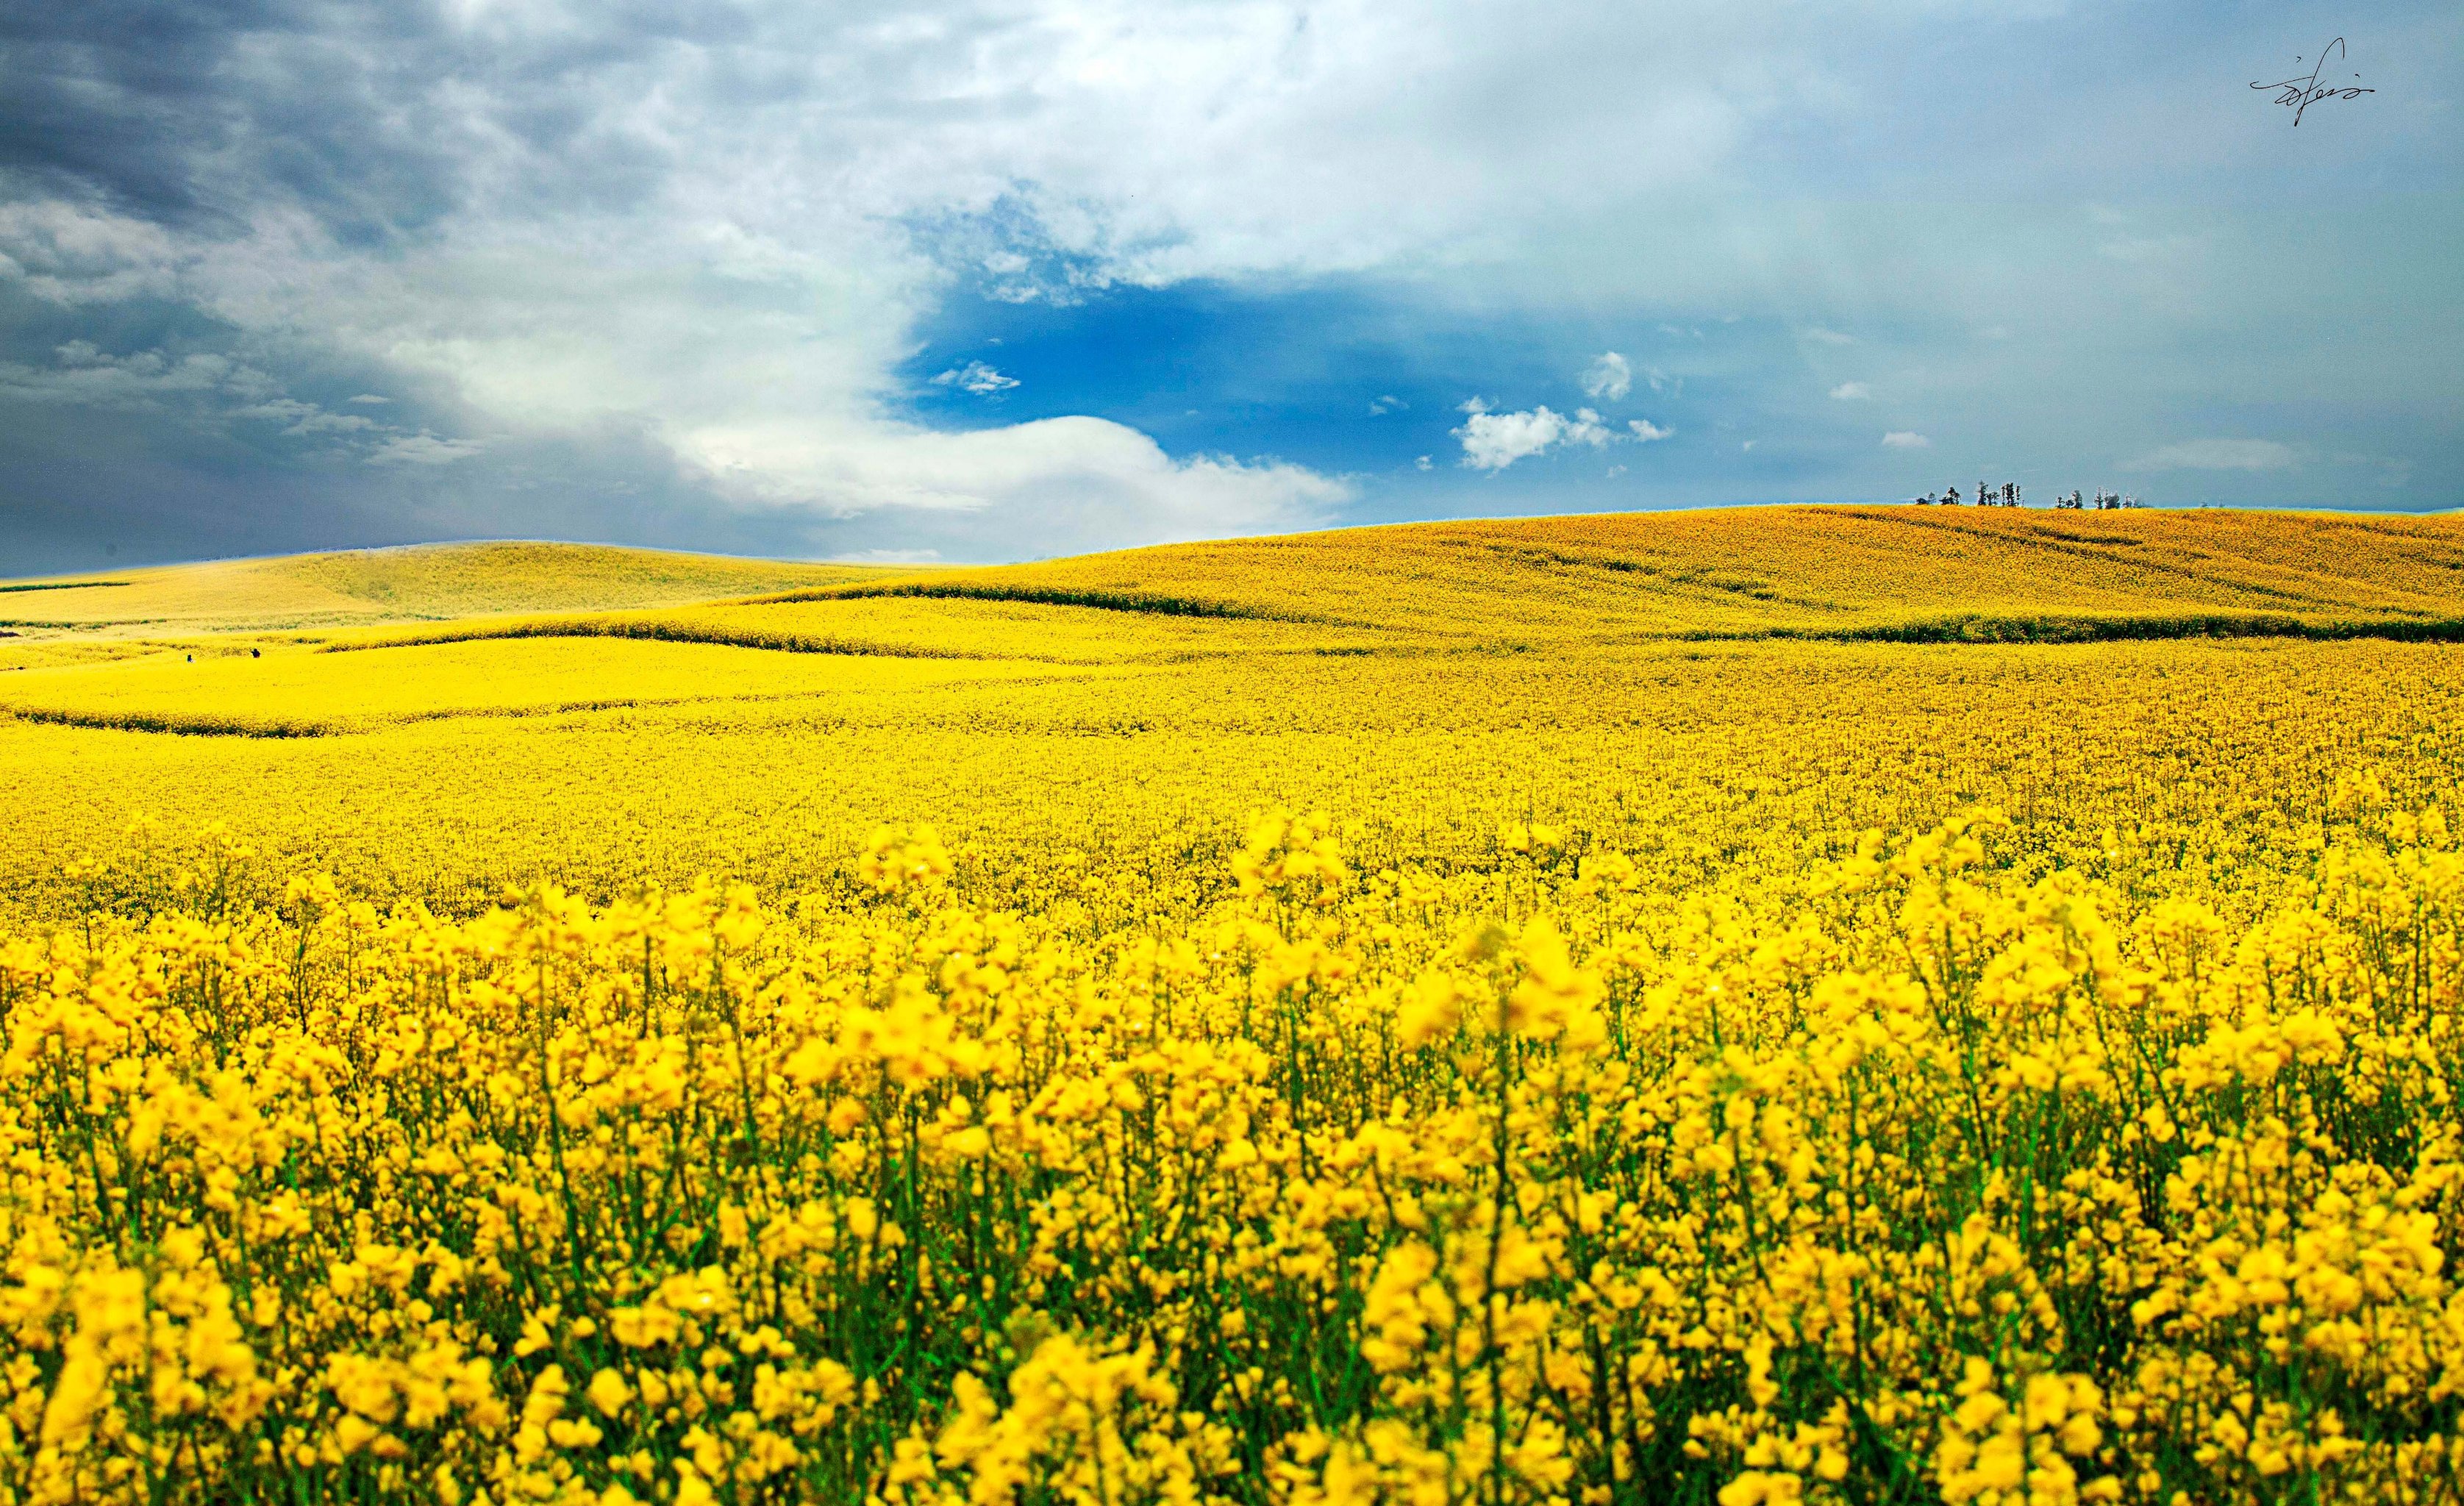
{"x": 379, "y": 121}
{"x": 118, "y": 98}
{"x": 192, "y": 114}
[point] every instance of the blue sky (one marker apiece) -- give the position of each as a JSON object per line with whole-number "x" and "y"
{"x": 1005, "y": 278}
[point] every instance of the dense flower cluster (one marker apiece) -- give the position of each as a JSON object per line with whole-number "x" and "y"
{"x": 1951, "y": 1182}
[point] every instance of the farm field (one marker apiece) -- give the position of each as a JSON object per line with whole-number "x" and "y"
{"x": 1758, "y": 1006}
{"x": 372, "y": 586}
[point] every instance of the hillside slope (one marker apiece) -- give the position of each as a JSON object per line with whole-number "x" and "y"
{"x": 427, "y": 582}
{"x": 462, "y": 633}
{"x": 1755, "y": 571}
{"x": 1885, "y": 573}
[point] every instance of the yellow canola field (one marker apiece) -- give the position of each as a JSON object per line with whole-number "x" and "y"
{"x": 291, "y": 692}
{"x": 1946, "y": 1185}
{"x": 1675, "y": 1071}
{"x": 366, "y": 586}
{"x": 1884, "y": 573}
{"x": 1109, "y": 786}
{"x": 1747, "y": 571}
{"x": 941, "y": 626}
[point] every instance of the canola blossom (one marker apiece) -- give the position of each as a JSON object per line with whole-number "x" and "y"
{"x": 1952, "y": 1186}
{"x": 1447, "y": 1049}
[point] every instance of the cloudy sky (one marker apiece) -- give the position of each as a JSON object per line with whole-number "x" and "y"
{"x": 1005, "y": 278}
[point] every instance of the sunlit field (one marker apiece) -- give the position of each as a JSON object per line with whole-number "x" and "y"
{"x": 1827, "y": 1005}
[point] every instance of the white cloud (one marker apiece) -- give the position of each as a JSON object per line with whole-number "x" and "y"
{"x": 205, "y": 389}
{"x": 370, "y": 397}
{"x": 975, "y": 377}
{"x": 1161, "y": 142}
{"x": 1852, "y": 391}
{"x": 1611, "y": 377}
{"x": 306, "y": 418}
{"x": 765, "y": 369}
{"x": 70, "y": 253}
{"x": 83, "y": 374}
{"x": 1905, "y": 439}
{"x": 1645, "y": 430}
{"x": 1423, "y": 463}
{"x": 2216, "y": 455}
{"x": 423, "y": 449}
{"x": 1073, "y": 483}
{"x": 1112, "y": 142}
{"x": 1829, "y": 337}
{"x": 1493, "y": 441}
{"x": 322, "y": 423}
{"x": 1380, "y": 406}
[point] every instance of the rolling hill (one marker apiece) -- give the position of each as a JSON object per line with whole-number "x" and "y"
{"x": 1751, "y": 571}
{"x": 179, "y": 649}
{"x": 424, "y": 583}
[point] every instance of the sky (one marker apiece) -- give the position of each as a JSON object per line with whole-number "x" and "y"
{"x": 1000, "y": 279}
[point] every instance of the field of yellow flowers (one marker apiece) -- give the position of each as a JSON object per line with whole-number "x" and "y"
{"x": 1704, "y": 1008}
